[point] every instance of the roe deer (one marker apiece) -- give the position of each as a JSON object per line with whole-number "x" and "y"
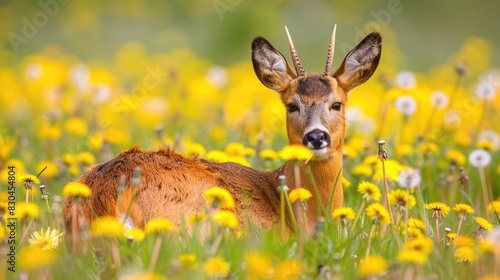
{"x": 171, "y": 185}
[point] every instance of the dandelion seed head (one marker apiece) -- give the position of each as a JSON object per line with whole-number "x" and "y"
{"x": 406, "y": 105}
{"x": 409, "y": 178}
{"x": 439, "y": 100}
{"x": 479, "y": 158}
{"x": 406, "y": 80}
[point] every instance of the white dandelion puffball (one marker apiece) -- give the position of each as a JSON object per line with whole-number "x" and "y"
{"x": 101, "y": 94}
{"x": 409, "y": 178}
{"x": 80, "y": 77}
{"x": 353, "y": 114}
{"x": 406, "y": 80}
{"x": 485, "y": 90}
{"x": 33, "y": 72}
{"x": 217, "y": 76}
{"x": 494, "y": 236}
{"x": 479, "y": 158}
{"x": 439, "y": 100}
{"x": 452, "y": 118}
{"x": 406, "y": 105}
{"x": 491, "y": 136}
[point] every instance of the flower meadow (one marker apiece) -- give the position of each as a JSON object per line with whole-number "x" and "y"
{"x": 421, "y": 169}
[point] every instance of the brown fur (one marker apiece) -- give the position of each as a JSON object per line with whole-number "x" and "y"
{"x": 171, "y": 185}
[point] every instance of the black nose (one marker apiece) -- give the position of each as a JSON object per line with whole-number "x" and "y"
{"x": 316, "y": 138}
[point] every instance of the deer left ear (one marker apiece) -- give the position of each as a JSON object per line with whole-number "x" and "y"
{"x": 360, "y": 63}
{"x": 270, "y": 65}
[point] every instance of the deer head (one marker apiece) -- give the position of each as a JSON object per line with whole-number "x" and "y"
{"x": 315, "y": 102}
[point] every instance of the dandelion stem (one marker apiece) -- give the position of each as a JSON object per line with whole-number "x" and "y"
{"x": 460, "y": 220}
{"x": 115, "y": 252}
{"x": 437, "y": 226}
{"x": 361, "y": 209}
{"x": 156, "y": 253}
{"x": 370, "y": 237}
{"x": 486, "y": 191}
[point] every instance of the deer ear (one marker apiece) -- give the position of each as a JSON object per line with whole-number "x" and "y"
{"x": 270, "y": 65}
{"x": 360, "y": 63}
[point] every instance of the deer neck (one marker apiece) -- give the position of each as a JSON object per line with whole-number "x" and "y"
{"x": 319, "y": 177}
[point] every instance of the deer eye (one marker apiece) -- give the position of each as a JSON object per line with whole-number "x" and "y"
{"x": 292, "y": 107}
{"x": 337, "y": 106}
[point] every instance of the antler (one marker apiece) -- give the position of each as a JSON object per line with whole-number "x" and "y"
{"x": 295, "y": 57}
{"x": 331, "y": 50}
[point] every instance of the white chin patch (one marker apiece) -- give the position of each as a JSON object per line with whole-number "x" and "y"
{"x": 319, "y": 152}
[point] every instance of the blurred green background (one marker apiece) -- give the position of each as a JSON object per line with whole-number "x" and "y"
{"x": 423, "y": 32}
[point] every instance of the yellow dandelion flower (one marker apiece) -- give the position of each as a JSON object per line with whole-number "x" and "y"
{"x": 216, "y": 267}
{"x": 399, "y": 198}
{"x": 106, "y": 227}
{"x": 226, "y": 219}
{"x": 371, "y": 160}
{"x": 158, "y": 225}
{"x": 48, "y": 239}
{"x": 344, "y": 213}
{"x": 456, "y": 157}
{"x": 188, "y": 260}
{"x": 196, "y": 218}
{"x": 484, "y": 224}
{"x": 192, "y": 149}
{"x": 300, "y": 194}
{"x": 76, "y": 126}
{"x": 96, "y": 141}
{"x": 378, "y": 213}
{"x": 486, "y": 247}
{"x": 27, "y": 210}
{"x": 235, "y": 149}
{"x": 463, "y": 240}
{"x": 346, "y": 183}
{"x": 421, "y": 245}
{"x": 257, "y": 265}
{"x": 76, "y": 189}
{"x": 439, "y": 208}
{"x": 408, "y": 256}
{"x": 464, "y": 254}
{"x": 49, "y": 132}
{"x": 31, "y": 258}
{"x": 142, "y": 276}
{"x": 416, "y": 223}
{"x": 217, "y": 156}
{"x": 494, "y": 207}
{"x": 69, "y": 159}
{"x": 486, "y": 145}
{"x": 74, "y": 170}
{"x": 269, "y": 154}
{"x": 134, "y": 234}
{"x": 463, "y": 208}
{"x": 372, "y": 266}
{"x": 296, "y": 152}
{"x": 369, "y": 191}
{"x": 86, "y": 158}
{"x": 414, "y": 232}
{"x": 51, "y": 171}
{"x": 288, "y": 269}
{"x": 392, "y": 170}
{"x": 428, "y": 147}
{"x": 29, "y": 179}
{"x": 239, "y": 160}
{"x": 404, "y": 150}
{"x": 363, "y": 170}
{"x": 218, "y": 197}
{"x": 350, "y": 152}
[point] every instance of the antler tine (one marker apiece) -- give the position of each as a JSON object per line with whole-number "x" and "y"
{"x": 331, "y": 51}
{"x": 295, "y": 57}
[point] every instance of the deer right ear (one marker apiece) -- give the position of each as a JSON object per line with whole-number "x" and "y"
{"x": 270, "y": 65}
